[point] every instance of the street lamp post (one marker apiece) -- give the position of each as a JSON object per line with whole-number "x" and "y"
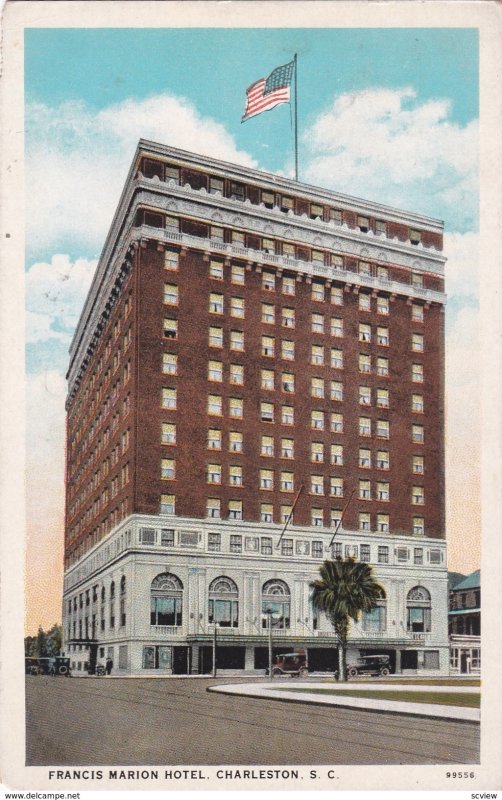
{"x": 269, "y": 614}
{"x": 214, "y": 649}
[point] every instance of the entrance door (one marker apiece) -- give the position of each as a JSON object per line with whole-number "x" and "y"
{"x": 464, "y": 662}
{"x": 181, "y": 657}
{"x": 409, "y": 659}
{"x": 205, "y": 660}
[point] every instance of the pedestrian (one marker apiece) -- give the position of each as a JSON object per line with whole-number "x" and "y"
{"x": 109, "y": 666}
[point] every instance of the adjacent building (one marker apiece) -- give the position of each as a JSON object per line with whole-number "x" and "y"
{"x": 253, "y": 350}
{"x": 464, "y": 623}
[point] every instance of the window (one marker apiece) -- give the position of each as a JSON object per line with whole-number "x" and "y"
{"x": 365, "y": 552}
{"x": 417, "y": 280}
{"x": 364, "y": 490}
{"x": 337, "y": 454}
{"x": 288, "y": 250}
{"x": 235, "y": 475}
{"x": 268, "y": 281}
{"x": 418, "y": 465}
{"x": 383, "y": 491}
{"x": 267, "y": 446}
{"x": 364, "y": 301}
{"x": 316, "y": 211}
{"x": 238, "y": 238}
{"x": 380, "y": 226}
{"x": 216, "y": 234}
{"x": 316, "y": 484}
{"x": 336, "y": 327}
{"x": 215, "y": 185}
{"x": 235, "y": 543}
{"x": 213, "y": 508}
{"x": 418, "y": 606}
{"x": 216, "y": 337}
{"x": 317, "y": 420}
{"x": 171, "y": 258}
{"x": 382, "y": 429}
{"x": 337, "y": 422}
{"x": 267, "y": 346}
{"x": 170, "y": 329}
{"x": 417, "y": 312}
{"x": 383, "y": 554}
{"x": 317, "y": 287}
{"x": 237, "y": 190}
{"x": 266, "y": 479}
{"x": 336, "y": 549}
{"x": 214, "y": 542}
{"x": 364, "y": 521}
{"x": 214, "y": 405}
{"x": 364, "y": 426}
{"x": 213, "y": 474}
{"x": 169, "y": 363}
{"x": 417, "y": 433}
{"x": 172, "y": 173}
{"x": 287, "y": 350}
{"x": 237, "y": 340}
{"x": 364, "y": 363}
{"x": 317, "y": 354}
{"x": 364, "y": 395}
{"x": 382, "y": 399}
{"x": 382, "y": 305}
{"x": 236, "y": 407}
{"x": 215, "y": 303}
{"x": 287, "y": 317}
{"x": 288, "y": 285}
{"x": 237, "y": 274}
{"x": 168, "y": 434}
{"x": 418, "y": 526}
{"x": 236, "y": 374}
{"x": 417, "y": 373}
{"x": 417, "y": 342}
{"x": 215, "y": 371}
{"x": 382, "y": 459}
{"x": 317, "y": 549}
{"x": 336, "y": 358}
{"x": 168, "y": 398}
{"x": 364, "y": 268}
{"x": 267, "y": 313}
{"x": 285, "y": 514}
{"x": 266, "y": 546}
{"x": 417, "y": 495}
{"x": 287, "y": 415}
{"x": 267, "y": 379}
{"x": 268, "y": 245}
{"x": 337, "y": 295}
{"x": 266, "y": 512}
{"x": 418, "y": 555}
{"x": 267, "y": 412}
{"x": 317, "y": 517}
{"x": 168, "y": 469}
{"x": 287, "y": 481}
{"x": 317, "y": 323}
{"x": 364, "y": 458}
{"x": 288, "y": 382}
{"x": 166, "y": 594}
{"x": 317, "y": 387}
{"x": 336, "y": 487}
{"x": 382, "y": 365}
{"x": 335, "y": 216}
{"x": 171, "y": 294}
{"x": 383, "y": 336}
{"x": 268, "y": 199}
{"x": 383, "y": 273}
{"x": 287, "y": 448}
{"x": 167, "y": 504}
{"x": 336, "y": 390}
{"x": 237, "y": 307}
{"x": 235, "y": 441}
{"x": 235, "y": 509}
{"x": 375, "y": 621}
{"x": 415, "y": 237}
{"x": 364, "y": 332}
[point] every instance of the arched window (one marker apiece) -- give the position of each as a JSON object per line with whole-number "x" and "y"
{"x": 122, "y": 601}
{"x": 223, "y": 605}
{"x": 166, "y": 600}
{"x": 112, "y": 604}
{"x": 376, "y": 619}
{"x": 276, "y": 604}
{"x": 418, "y": 604}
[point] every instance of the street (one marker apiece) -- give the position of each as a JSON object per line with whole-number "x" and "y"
{"x": 176, "y": 721}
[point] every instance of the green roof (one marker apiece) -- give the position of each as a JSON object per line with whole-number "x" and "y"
{"x": 472, "y": 581}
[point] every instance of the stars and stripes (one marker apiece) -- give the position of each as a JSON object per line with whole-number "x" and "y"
{"x": 266, "y": 93}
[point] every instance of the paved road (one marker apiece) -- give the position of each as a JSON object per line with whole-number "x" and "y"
{"x": 175, "y": 721}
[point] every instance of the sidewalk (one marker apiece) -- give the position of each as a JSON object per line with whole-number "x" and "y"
{"x": 278, "y": 690}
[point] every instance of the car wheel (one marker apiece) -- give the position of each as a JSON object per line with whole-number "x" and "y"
{"x": 303, "y": 672}
{"x": 385, "y": 671}
{"x": 352, "y": 673}
{"x": 63, "y": 670}
{"x": 276, "y": 672}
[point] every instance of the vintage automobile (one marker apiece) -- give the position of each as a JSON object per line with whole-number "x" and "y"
{"x": 49, "y": 665}
{"x": 370, "y": 665}
{"x": 292, "y": 664}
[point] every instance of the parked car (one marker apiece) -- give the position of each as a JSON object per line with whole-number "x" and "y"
{"x": 49, "y": 665}
{"x": 292, "y": 664}
{"x": 370, "y": 665}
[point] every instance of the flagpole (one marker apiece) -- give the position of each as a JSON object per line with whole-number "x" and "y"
{"x": 296, "y": 117}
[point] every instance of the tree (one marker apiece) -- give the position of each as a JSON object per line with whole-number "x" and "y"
{"x": 345, "y": 589}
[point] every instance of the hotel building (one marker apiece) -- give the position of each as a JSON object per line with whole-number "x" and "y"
{"x": 249, "y": 341}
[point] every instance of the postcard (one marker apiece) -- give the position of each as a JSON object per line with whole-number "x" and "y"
{"x": 250, "y": 387}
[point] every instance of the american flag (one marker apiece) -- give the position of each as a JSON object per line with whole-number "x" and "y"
{"x": 267, "y": 93}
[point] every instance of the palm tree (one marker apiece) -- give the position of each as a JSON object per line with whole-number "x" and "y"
{"x": 345, "y": 588}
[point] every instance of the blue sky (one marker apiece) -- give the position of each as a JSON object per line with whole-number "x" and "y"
{"x": 384, "y": 114}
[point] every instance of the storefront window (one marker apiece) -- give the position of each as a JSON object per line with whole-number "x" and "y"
{"x": 166, "y": 600}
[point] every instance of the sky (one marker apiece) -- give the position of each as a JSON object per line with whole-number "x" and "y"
{"x": 383, "y": 114}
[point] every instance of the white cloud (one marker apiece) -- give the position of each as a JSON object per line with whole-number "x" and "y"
{"x": 77, "y": 161}
{"x": 379, "y": 143}
{"x": 55, "y": 294}
{"x": 462, "y": 267}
